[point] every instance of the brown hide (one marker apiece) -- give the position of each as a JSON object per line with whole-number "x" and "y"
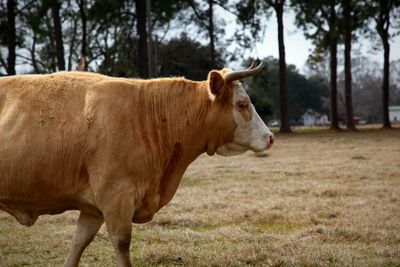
{"x": 81, "y": 140}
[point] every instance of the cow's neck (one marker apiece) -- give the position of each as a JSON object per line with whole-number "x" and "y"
{"x": 176, "y": 112}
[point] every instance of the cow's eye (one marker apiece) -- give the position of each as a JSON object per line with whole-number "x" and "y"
{"x": 242, "y": 105}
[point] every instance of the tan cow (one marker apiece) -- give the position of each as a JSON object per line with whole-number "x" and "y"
{"x": 114, "y": 148}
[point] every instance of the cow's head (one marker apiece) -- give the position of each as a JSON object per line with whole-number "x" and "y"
{"x": 234, "y": 124}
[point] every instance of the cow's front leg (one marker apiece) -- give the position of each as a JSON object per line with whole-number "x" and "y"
{"x": 118, "y": 219}
{"x": 88, "y": 226}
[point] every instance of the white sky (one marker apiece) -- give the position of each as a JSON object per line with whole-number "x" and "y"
{"x": 297, "y": 47}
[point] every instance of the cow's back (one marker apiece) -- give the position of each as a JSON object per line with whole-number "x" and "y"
{"x": 42, "y": 135}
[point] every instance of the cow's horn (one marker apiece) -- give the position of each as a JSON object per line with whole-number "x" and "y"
{"x": 237, "y": 75}
{"x": 252, "y": 65}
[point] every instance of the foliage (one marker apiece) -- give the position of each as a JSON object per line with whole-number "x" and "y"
{"x": 303, "y": 92}
{"x": 318, "y": 20}
{"x": 385, "y": 15}
{"x": 118, "y": 58}
{"x": 250, "y": 15}
{"x": 185, "y": 57}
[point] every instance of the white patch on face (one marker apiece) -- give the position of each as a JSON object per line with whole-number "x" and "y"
{"x": 250, "y": 134}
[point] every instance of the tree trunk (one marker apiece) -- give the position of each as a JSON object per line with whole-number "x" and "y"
{"x": 382, "y": 27}
{"x": 84, "y": 34}
{"x": 72, "y": 46}
{"x": 347, "y": 64}
{"x": 333, "y": 84}
{"x": 333, "y": 66}
{"x": 11, "y": 37}
{"x": 285, "y": 127}
{"x": 142, "y": 62}
{"x": 385, "y": 82}
{"x": 150, "y": 40}
{"x": 55, "y": 12}
{"x": 211, "y": 33}
{"x": 51, "y": 64}
{"x": 33, "y": 55}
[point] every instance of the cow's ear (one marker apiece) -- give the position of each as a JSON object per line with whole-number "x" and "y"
{"x": 216, "y": 84}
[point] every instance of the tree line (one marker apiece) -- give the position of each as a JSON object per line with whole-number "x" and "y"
{"x": 130, "y": 38}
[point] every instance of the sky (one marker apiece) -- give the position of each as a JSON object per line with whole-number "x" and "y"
{"x": 297, "y": 47}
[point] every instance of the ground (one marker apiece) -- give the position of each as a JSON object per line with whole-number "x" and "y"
{"x": 316, "y": 198}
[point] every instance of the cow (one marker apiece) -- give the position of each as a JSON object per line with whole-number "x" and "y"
{"x": 114, "y": 148}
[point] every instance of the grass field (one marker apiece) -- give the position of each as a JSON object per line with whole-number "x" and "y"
{"x": 316, "y": 198}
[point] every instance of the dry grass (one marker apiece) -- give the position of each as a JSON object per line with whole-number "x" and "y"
{"x": 316, "y": 199}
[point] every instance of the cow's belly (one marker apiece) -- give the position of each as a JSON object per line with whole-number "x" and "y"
{"x": 27, "y": 193}
{"x": 27, "y": 211}
{"x": 40, "y": 151}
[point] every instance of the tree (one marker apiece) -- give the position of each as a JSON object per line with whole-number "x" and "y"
{"x": 322, "y": 17}
{"x": 11, "y": 37}
{"x": 11, "y": 19}
{"x": 366, "y": 79}
{"x": 164, "y": 12}
{"x": 247, "y": 12}
{"x": 55, "y": 13}
{"x": 49, "y": 32}
{"x": 185, "y": 57}
{"x": 53, "y": 34}
{"x": 203, "y": 16}
{"x": 112, "y": 37}
{"x": 394, "y": 82}
{"x": 348, "y": 28}
{"x": 382, "y": 11}
{"x": 82, "y": 11}
{"x": 8, "y": 35}
{"x": 117, "y": 58}
{"x": 278, "y": 6}
{"x": 142, "y": 59}
{"x": 303, "y": 92}
{"x": 211, "y": 33}
{"x": 120, "y": 29}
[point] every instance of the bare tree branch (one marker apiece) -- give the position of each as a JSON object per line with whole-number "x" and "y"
{"x": 25, "y": 6}
{"x": 199, "y": 16}
{"x": 225, "y": 8}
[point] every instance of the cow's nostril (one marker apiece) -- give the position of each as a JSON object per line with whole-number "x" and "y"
{"x": 271, "y": 139}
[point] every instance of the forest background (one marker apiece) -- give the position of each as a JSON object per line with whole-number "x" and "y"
{"x": 343, "y": 77}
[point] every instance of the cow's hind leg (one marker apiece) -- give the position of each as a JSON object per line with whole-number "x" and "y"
{"x": 88, "y": 226}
